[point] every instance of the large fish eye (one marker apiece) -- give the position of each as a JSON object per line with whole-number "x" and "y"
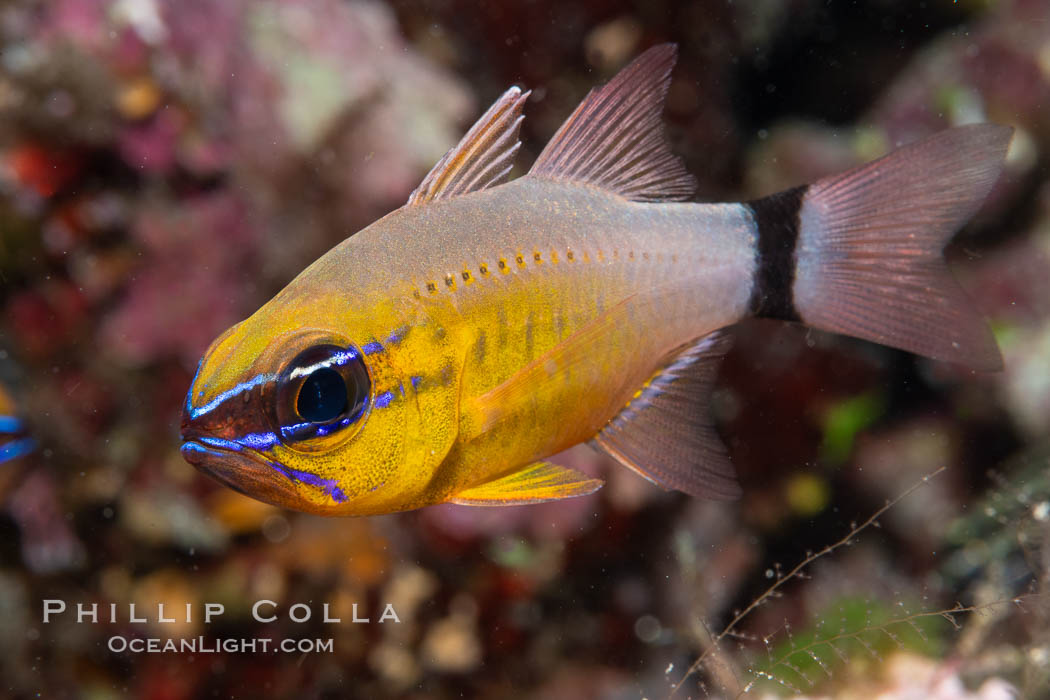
{"x": 322, "y": 397}
{"x": 323, "y": 389}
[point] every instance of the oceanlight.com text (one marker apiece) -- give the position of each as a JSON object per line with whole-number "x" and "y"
{"x": 202, "y": 645}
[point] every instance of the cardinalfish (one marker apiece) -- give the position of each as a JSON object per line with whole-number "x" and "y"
{"x": 443, "y": 353}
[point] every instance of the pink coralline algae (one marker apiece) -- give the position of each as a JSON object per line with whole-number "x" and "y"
{"x": 196, "y": 264}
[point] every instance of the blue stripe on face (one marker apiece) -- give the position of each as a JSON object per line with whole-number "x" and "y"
{"x": 303, "y": 431}
{"x": 255, "y": 381}
{"x": 330, "y": 486}
{"x": 223, "y": 443}
{"x": 197, "y": 447}
{"x": 259, "y": 441}
{"x": 256, "y": 441}
{"x": 193, "y": 383}
{"x": 267, "y": 441}
{"x": 16, "y": 449}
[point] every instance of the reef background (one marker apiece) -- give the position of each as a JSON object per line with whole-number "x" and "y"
{"x": 166, "y": 167}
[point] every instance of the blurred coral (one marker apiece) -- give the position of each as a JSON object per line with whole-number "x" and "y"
{"x": 166, "y": 167}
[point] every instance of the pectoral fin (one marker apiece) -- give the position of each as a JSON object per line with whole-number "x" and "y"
{"x": 536, "y": 483}
{"x": 666, "y": 434}
{"x": 565, "y": 357}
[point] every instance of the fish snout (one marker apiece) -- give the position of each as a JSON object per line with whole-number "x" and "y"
{"x": 222, "y": 439}
{"x": 187, "y": 429}
{"x": 225, "y": 419}
{"x": 194, "y": 427}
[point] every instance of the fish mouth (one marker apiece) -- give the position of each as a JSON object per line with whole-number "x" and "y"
{"x": 217, "y": 445}
{"x": 242, "y": 470}
{"x": 237, "y": 466}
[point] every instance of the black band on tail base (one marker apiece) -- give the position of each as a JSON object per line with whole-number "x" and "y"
{"x": 777, "y": 223}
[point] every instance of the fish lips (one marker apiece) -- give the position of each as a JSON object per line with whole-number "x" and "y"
{"x": 208, "y": 443}
{"x": 244, "y": 471}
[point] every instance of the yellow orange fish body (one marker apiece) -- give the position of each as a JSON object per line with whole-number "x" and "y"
{"x": 455, "y": 322}
{"x": 443, "y": 352}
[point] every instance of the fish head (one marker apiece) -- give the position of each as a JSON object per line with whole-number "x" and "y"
{"x": 316, "y": 418}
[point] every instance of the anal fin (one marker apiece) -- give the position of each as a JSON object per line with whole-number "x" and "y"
{"x": 666, "y": 434}
{"x": 535, "y": 483}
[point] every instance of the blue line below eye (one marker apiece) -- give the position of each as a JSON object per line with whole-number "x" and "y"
{"x": 197, "y": 447}
{"x": 330, "y": 486}
{"x": 384, "y": 399}
{"x": 258, "y": 441}
{"x": 291, "y": 431}
{"x": 220, "y": 442}
{"x": 16, "y": 449}
{"x": 305, "y": 431}
{"x": 255, "y": 441}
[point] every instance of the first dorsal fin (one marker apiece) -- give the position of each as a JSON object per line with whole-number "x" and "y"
{"x": 665, "y": 433}
{"x": 615, "y": 139}
{"x": 483, "y": 157}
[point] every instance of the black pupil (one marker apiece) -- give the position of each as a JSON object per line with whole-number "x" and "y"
{"x": 322, "y": 397}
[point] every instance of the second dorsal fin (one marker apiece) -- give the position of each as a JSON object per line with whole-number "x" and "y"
{"x": 483, "y": 157}
{"x": 615, "y": 139}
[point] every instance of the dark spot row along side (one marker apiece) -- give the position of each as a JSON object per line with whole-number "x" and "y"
{"x": 484, "y": 271}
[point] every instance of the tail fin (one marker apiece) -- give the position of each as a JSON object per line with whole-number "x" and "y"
{"x": 868, "y": 247}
